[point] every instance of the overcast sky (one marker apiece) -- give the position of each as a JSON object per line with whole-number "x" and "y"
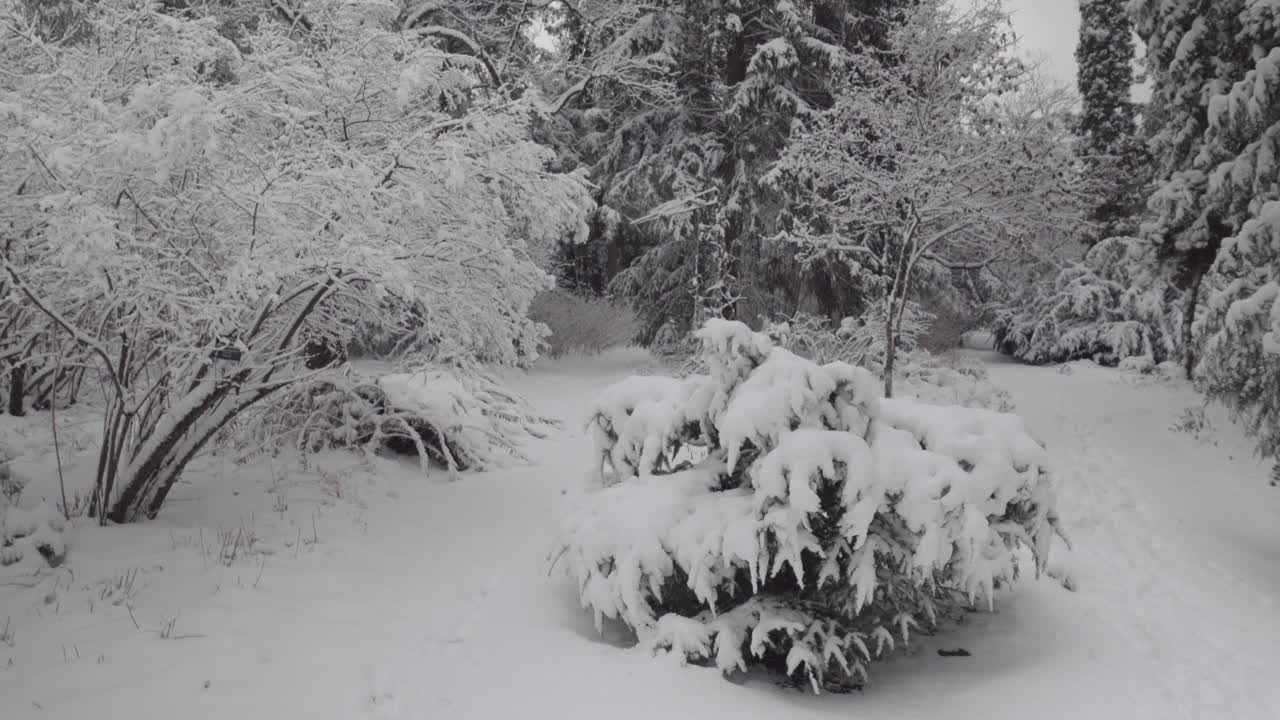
{"x": 1047, "y": 30}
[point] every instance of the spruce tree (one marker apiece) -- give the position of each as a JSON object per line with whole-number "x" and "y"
{"x": 1107, "y": 126}
{"x": 678, "y": 110}
{"x": 1241, "y": 144}
{"x": 1192, "y": 53}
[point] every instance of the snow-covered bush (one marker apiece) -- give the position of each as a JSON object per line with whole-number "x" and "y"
{"x": 193, "y": 213}
{"x": 458, "y": 416}
{"x": 1106, "y": 307}
{"x": 782, "y": 513}
{"x": 10, "y": 485}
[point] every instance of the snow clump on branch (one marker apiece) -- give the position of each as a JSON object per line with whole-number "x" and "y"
{"x": 781, "y": 513}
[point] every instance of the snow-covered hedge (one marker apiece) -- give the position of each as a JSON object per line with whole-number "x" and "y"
{"x": 777, "y": 512}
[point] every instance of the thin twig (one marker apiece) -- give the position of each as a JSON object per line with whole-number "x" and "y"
{"x": 57, "y": 446}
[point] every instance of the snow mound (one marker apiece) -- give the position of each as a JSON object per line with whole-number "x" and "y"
{"x": 30, "y": 537}
{"x": 820, "y": 523}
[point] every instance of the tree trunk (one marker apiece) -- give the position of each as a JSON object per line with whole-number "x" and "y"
{"x": 17, "y": 390}
{"x": 165, "y": 440}
{"x": 890, "y": 352}
{"x": 1188, "y": 322}
{"x": 896, "y": 305}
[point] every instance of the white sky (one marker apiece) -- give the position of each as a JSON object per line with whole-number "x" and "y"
{"x": 1047, "y": 30}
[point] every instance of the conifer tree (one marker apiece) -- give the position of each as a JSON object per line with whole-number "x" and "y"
{"x": 678, "y": 110}
{"x": 1107, "y": 125}
{"x": 1192, "y": 53}
{"x": 1241, "y": 144}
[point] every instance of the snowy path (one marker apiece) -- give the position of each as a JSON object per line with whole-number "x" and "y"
{"x": 1177, "y": 540}
{"x": 430, "y": 600}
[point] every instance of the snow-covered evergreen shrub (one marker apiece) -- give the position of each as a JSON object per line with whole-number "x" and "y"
{"x": 1106, "y": 308}
{"x": 778, "y": 512}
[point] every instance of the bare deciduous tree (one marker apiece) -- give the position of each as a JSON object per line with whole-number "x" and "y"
{"x": 923, "y": 171}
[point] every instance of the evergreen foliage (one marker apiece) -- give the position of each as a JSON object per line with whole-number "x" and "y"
{"x": 1107, "y": 124}
{"x": 1216, "y": 67}
{"x": 1101, "y": 308}
{"x": 678, "y": 110}
{"x": 781, "y": 513}
{"x": 1195, "y": 50}
{"x": 1241, "y": 362}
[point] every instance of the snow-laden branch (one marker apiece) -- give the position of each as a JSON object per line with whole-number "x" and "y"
{"x": 457, "y": 35}
{"x": 918, "y": 163}
{"x": 231, "y": 228}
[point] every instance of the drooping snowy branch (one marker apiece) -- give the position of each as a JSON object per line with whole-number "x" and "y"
{"x": 199, "y": 218}
{"x": 816, "y": 526}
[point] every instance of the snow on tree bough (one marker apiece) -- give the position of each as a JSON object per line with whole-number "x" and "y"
{"x": 818, "y": 525}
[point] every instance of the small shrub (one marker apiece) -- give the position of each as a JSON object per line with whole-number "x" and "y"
{"x": 10, "y": 485}
{"x": 582, "y": 325}
{"x": 458, "y": 416}
{"x": 780, "y": 513}
{"x": 1194, "y": 421}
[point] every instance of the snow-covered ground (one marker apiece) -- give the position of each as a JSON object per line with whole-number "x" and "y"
{"x": 367, "y": 591}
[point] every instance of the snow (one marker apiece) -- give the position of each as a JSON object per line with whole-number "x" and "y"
{"x": 782, "y": 394}
{"x": 364, "y": 590}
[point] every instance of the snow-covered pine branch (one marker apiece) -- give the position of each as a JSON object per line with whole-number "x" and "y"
{"x": 1106, "y": 307}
